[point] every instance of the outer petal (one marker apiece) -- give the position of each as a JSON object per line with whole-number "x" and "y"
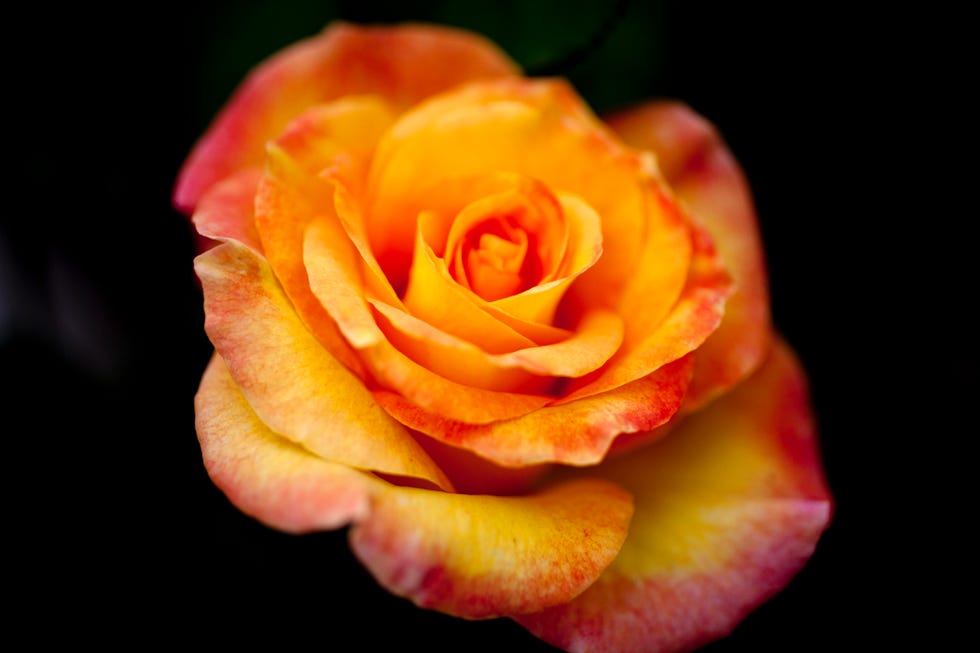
{"x": 402, "y": 63}
{"x": 707, "y": 179}
{"x": 480, "y": 556}
{"x": 728, "y": 508}
{"x": 226, "y": 211}
{"x": 467, "y": 555}
{"x": 265, "y": 475}
{"x": 295, "y": 386}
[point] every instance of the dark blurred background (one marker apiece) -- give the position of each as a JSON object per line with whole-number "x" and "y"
{"x": 118, "y": 533}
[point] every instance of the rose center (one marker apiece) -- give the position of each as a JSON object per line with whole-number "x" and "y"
{"x": 505, "y": 243}
{"x": 497, "y": 258}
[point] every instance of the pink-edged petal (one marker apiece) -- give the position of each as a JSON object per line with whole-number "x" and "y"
{"x": 403, "y": 63}
{"x": 729, "y": 506}
{"x": 295, "y": 385}
{"x": 226, "y": 211}
{"x": 266, "y": 475}
{"x": 575, "y": 433}
{"x": 693, "y": 318}
{"x": 480, "y": 556}
{"x": 709, "y": 182}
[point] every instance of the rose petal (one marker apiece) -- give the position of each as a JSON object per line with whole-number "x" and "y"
{"x": 583, "y": 251}
{"x": 295, "y": 386}
{"x": 435, "y": 297}
{"x": 728, "y": 508}
{"x": 265, "y": 475}
{"x": 334, "y": 277}
{"x": 537, "y": 128}
{"x": 293, "y": 190}
{"x": 479, "y": 556}
{"x": 403, "y": 63}
{"x": 648, "y": 344}
{"x": 707, "y": 179}
{"x": 579, "y": 432}
{"x": 590, "y": 345}
{"x": 226, "y": 211}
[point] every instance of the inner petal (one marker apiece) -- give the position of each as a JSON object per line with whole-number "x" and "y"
{"x": 493, "y": 261}
{"x": 500, "y": 245}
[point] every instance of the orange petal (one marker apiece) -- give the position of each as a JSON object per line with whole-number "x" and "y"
{"x": 707, "y": 179}
{"x": 479, "y": 556}
{"x": 265, "y": 475}
{"x": 575, "y": 433}
{"x": 729, "y": 507}
{"x": 537, "y": 128}
{"x": 334, "y": 278}
{"x": 435, "y": 297}
{"x": 296, "y": 386}
{"x": 403, "y": 64}
{"x": 292, "y": 192}
{"x": 525, "y": 370}
{"x": 650, "y": 343}
{"x": 584, "y": 249}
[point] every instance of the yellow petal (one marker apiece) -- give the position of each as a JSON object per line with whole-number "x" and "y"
{"x": 265, "y": 475}
{"x": 729, "y": 507}
{"x": 294, "y": 385}
{"x": 479, "y": 556}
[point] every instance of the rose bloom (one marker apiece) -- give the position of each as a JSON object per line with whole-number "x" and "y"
{"x": 523, "y": 354}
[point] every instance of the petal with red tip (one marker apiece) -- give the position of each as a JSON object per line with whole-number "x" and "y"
{"x": 650, "y": 343}
{"x": 479, "y": 556}
{"x": 707, "y": 179}
{"x": 729, "y": 506}
{"x": 403, "y": 64}
{"x": 578, "y": 432}
{"x": 296, "y": 386}
{"x": 226, "y": 211}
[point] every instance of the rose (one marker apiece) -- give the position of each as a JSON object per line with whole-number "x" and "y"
{"x": 525, "y": 355}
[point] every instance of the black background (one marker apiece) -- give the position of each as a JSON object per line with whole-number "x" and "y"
{"x": 116, "y": 533}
